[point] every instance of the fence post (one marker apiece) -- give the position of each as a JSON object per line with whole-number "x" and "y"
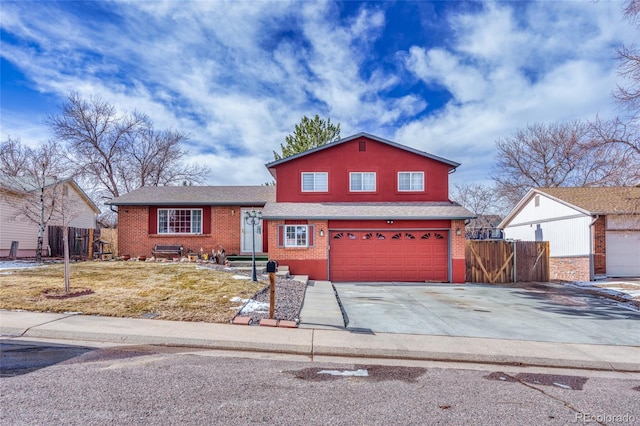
{"x": 13, "y": 252}
{"x": 515, "y": 261}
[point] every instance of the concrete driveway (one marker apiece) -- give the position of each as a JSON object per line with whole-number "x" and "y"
{"x": 527, "y": 311}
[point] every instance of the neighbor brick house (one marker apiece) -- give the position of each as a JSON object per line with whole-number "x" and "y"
{"x": 359, "y": 209}
{"x": 592, "y": 232}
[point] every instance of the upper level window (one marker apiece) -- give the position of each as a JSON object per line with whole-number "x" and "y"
{"x": 410, "y": 181}
{"x": 315, "y": 182}
{"x": 362, "y": 181}
{"x": 179, "y": 221}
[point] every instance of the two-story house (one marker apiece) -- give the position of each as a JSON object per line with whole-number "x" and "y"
{"x": 359, "y": 209}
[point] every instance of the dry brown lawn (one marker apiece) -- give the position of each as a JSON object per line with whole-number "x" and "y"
{"x": 130, "y": 289}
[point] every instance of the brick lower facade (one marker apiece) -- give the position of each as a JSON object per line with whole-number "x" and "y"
{"x": 136, "y": 240}
{"x": 314, "y": 261}
{"x": 569, "y": 268}
{"x": 311, "y": 261}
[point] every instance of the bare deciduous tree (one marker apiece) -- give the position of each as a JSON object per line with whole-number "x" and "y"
{"x": 30, "y": 181}
{"x": 118, "y": 153}
{"x": 624, "y": 131}
{"x": 14, "y": 157}
{"x": 559, "y": 154}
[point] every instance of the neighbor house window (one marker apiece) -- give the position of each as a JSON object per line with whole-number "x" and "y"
{"x": 296, "y": 236}
{"x": 410, "y": 181}
{"x": 179, "y": 221}
{"x": 362, "y": 181}
{"x": 315, "y": 182}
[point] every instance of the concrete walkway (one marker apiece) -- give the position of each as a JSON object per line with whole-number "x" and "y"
{"x": 320, "y": 309}
{"x": 318, "y": 342}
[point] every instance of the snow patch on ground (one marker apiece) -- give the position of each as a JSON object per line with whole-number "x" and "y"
{"x": 19, "y": 264}
{"x": 626, "y": 292}
{"x": 241, "y": 277}
{"x": 354, "y": 373}
{"x": 250, "y": 305}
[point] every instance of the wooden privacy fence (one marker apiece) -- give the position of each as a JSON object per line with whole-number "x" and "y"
{"x": 500, "y": 261}
{"x": 80, "y": 240}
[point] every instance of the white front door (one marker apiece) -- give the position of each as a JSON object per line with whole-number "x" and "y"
{"x": 249, "y": 232}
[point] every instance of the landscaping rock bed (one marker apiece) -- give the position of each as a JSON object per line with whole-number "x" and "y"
{"x": 289, "y": 298}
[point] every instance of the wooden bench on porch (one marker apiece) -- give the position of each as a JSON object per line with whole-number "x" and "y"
{"x": 167, "y": 250}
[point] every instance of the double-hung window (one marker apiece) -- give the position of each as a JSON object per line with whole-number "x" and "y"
{"x": 179, "y": 221}
{"x": 410, "y": 181}
{"x": 315, "y": 182}
{"x": 362, "y": 181}
{"x": 296, "y": 236}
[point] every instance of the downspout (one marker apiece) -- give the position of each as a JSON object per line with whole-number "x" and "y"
{"x": 592, "y": 267}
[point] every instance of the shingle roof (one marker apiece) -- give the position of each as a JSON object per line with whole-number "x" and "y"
{"x": 366, "y": 211}
{"x": 601, "y": 200}
{"x": 453, "y": 164}
{"x": 197, "y": 195}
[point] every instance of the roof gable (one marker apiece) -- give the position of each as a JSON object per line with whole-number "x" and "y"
{"x": 329, "y": 145}
{"x": 586, "y": 200}
{"x": 23, "y": 185}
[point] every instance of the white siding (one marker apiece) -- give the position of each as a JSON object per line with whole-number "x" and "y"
{"x": 16, "y": 228}
{"x": 547, "y": 209}
{"x": 567, "y": 237}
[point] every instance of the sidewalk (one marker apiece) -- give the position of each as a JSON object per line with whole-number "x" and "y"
{"x": 318, "y": 342}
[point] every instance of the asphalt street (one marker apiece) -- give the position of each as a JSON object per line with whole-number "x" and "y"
{"x": 154, "y": 385}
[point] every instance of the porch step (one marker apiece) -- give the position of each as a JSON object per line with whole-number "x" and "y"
{"x": 249, "y": 269}
{"x": 247, "y": 264}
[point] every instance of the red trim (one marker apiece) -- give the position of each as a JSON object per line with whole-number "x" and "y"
{"x": 153, "y": 220}
{"x": 265, "y": 236}
{"x": 280, "y": 235}
{"x": 311, "y": 235}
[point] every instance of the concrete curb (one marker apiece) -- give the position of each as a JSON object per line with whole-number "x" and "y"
{"x": 478, "y": 350}
{"x": 317, "y": 342}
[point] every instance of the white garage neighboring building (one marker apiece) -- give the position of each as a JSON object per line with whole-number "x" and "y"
{"x": 592, "y": 232}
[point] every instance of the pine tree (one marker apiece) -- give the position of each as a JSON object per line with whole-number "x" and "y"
{"x": 308, "y": 134}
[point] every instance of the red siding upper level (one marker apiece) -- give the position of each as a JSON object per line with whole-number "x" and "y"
{"x": 354, "y": 156}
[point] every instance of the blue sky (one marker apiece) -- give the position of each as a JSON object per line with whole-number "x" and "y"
{"x": 449, "y": 78}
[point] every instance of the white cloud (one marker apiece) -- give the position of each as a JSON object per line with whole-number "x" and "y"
{"x": 237, "y": 76}
{"x": 506, "y": 69}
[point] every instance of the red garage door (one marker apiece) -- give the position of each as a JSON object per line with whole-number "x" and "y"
{"x": 408, "y": 255}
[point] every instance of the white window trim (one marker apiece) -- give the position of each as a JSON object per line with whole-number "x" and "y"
{"x": 326, "y": 174}
{"x": 410, "y": 181}
{"x": 180, "y": 233}
{"x": 375, "y": 181}
{"x": 306, "y": 239}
